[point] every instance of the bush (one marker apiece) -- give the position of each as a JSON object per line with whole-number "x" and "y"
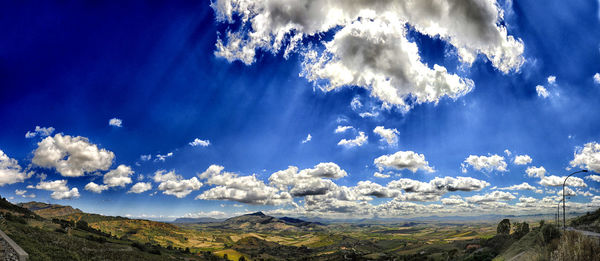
{"x": 521, "y": 229}
{"x": 503, "y": 227}
{"x": 575, "y": 246}
{"x": 550, "y": 232}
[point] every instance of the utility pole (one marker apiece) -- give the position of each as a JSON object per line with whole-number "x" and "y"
{"x": 564, "y": 183}
{"x": 558, "y": 214}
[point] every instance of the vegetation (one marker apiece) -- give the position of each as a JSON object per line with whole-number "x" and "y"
{"x": 589, "y": 221}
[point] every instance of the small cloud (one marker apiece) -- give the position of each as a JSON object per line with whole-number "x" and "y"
{"x": 551, "y": 79}
{"x": 541, "y": 91}
{"x": 41, "y": 131}
{"x": 115, "y": 122}
{"x": 342, "y": 129}
{"x": 597, "y": 78}
{"x": 199, "y": 142}
{"x": 146, "y": 157}
{"x": 355, "y": 103}
{"x": 360, "y": 140}
{"x": 163, "y": 157}
{"x": 308, "y": 138}
{"x": 507, "y": 152}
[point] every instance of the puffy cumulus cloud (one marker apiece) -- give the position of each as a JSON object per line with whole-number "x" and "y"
{"x": 371, "y": 48}
{"x": 453, "y": 200}
{"x": 10, "y": 170}
{"x": 527, "y": 200}
{"x": 59, "y": 189}
{"x": 438, "y": 185}
{"x": 311, "y": 181}
{"x": 39, "y": 131}
{"x": 342, "y": 129}
{"x": 244, "y": 189}
{"x": 556, "y": 181}
{"x": 118, "y": 177}
{"x": 403, "y": 160}
{"x": 551, "y": 79}
{"x": 172, "y": 184}
{"x": 115, "y": 122}
{"x": 358, "y": 141}
{"x": 535, "y": 172}
{"x": 541, "y": 91}
{"x": 96, "y": 188}
{"x": 522, "y": 186}
{"x": 587, "y": 157}
{"x": 388, "y": 135}
{"x": 485, "y": 163}
{"x": 307, "y": 139}
{"x": 597, "y": 78}
{"x": 198, "y": 142}
{"x": 593, "y": 177}
{"x": 491, "y": 197}
{"x": 522, "y": 160}
{"x": 140, "y": 187}
{"x": 71, "y": 156}
{"x": 381, "y": 175}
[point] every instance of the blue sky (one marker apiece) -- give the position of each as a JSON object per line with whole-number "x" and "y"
{"x": 176, "y": 72}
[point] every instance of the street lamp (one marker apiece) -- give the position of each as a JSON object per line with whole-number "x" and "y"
{"x": 564, "y": 183}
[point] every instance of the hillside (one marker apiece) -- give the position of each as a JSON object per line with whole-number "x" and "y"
{"x": 260, "y": 222}
{"x": 589, "y": 221}
{"x": 49, "y": 210}
{"x": 56, "y": 239}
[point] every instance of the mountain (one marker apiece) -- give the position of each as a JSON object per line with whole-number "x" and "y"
{"x": 197, "y": 220}
{"x": 49, "y": 210}
{"x": 260, "y": 222}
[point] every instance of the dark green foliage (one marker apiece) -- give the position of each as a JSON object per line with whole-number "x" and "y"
{"x": 542, "y": 223}
{"x": 503, "y": 227}
{"x": 521, "y": 229}
{"x": 550, "y": 232}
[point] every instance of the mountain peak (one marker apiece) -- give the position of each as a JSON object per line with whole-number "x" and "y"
{"x": 259, "y": 213}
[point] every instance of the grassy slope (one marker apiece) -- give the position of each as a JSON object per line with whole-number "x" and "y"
{"x": 589, "y": 221}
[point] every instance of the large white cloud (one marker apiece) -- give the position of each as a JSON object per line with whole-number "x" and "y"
{"x": 491, "y": 197}
{"x": 172, "y": 184}
{"x": 96, "y": 188}
{"x": 535, "y": 172}
{"x": 556, "y": 181}
{"x": 485, "y": 163}
{"x": 10, "y": 170}
{"x": 522, "y": 186}
{"x": 403, "y": 160}
{"x": 59, "y": 189}
{"x": 245, "y": 189}
{"x": 388, "y": 135}
{"x": 71, "y": 156}
{"x": 587, "y": 157}
{"x": 371, "y": 49}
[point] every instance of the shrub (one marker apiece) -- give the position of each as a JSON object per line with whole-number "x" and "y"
{"x": 503, "y": 227}
{"x": 575, "y": 246}
{"x": 550, "y": 232}
{"x": 521, "y": 229}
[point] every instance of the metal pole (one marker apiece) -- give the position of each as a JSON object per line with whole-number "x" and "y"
{"x": 564, "y": 183}
{"x": 558, "y": 214}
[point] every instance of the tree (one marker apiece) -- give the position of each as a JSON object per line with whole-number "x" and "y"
{"x": 242, "y": 258}
{"x": 521, "y": 229}
{"x": 503, "y": 227}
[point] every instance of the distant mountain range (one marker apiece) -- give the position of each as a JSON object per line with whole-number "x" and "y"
{"x": 255, "y": 221}
{"x": 49, "y": 210}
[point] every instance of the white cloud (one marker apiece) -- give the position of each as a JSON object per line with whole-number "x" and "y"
{"x": 527, "y": 200}
{"x": 81, "y": 155}
{"x": 172, "y": 184}
{"x": 342, "y": 129}
{"x": 118, "y": 177}
{"x": 372, "y": 52}
{"x": 593, "y": 177}
{"x": 96, "y": 188}
{"x": 199, "y": 142}
{"x": 23, "y": 193}
{"x": 522, "y": 160}
{"x": 522, "y": 186}
{"x": 146, "y": 157}
{"x": 355, "y": 104}
{"x": 597, "y": 78}
{"x": 541, "y": 91}
{"x": 308, "y": 138}
{"x": 551, "y": 79}
{"x": 381, "y": 175}
{"x": 212, "y": 214}
{"x": 556, "y": 181}
{"x": 485, "y": 163}
{"x": 41, "y": 131}
{"x": 388, "y": 135}
{"x": 10, "y": 171}
{"x": 587, "y": 157}
{"x": 507, "y": 152}
{"x": 369, "y": 114}
{"x": 438, "y": 186}
{"x": 115, "y": 122}
{"x": 491, "y": 197}
{"x": 403, "y": 160}
{"x": 163, "y": 157}
{"x": 59, "y": 189}
{"x": 360, "y": 140}
{"x": 140, "y": 187}
{"x": 452, "y": 200}
{"x": 535, "y": 172}
{"x": 312, "y": 181}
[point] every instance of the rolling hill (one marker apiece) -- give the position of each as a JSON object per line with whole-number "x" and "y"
{"x": 49, "y": 210}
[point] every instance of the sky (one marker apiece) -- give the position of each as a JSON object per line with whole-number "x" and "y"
{"x": 328, "y": 109}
